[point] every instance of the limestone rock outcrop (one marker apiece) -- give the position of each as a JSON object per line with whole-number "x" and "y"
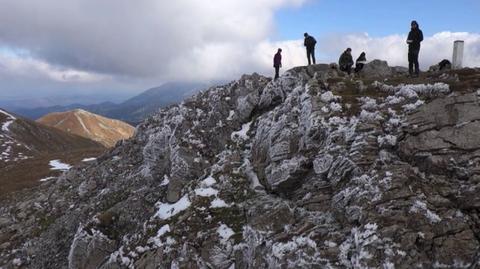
{"x": 313, "y": 170}
{"x": 377, "y": 68}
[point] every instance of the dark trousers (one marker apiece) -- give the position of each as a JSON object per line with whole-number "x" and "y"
{"x": 413, "y": 61}
{"x": 358, "y": 68}
{"x": 277, "y": 69}
{"x": 311, "y": 54}
{"x": 346, "y": 68}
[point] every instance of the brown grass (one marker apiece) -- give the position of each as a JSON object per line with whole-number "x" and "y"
{"x": 469, "y": 80}
{"x": 350, "y": 94}
{"x": 27, "y": 173}
{"x": 88, "y": 125}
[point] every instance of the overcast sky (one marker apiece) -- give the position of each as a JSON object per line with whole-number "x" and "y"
{"x": 122, "y": 47}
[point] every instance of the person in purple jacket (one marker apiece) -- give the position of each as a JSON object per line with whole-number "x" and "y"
{"x": 277, "y": 62}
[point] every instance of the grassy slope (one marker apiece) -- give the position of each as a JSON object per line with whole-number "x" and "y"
{"x": 44, "y": 144}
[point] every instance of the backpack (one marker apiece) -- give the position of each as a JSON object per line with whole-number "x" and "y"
{"x": 311, "y": 41}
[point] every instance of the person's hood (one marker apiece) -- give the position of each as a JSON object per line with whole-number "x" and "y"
{"x": 418, "y": 25}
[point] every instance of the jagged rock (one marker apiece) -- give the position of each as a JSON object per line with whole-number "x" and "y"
{"x": 341, "y": 168}
{"x": 217, "y": 255}
{"x": 322, "y": 164}
{"x": 376, "y": 68}
{"x": 310, "y": 70}
{"x": 4, "y": 221}
{"x": 399, "y": 70}
{"x": 279, "y": 215}
{"x": 287, "y": 176}
{"x": 246, "y": 105}
{"x": 89, "y": 249}
{"x": 182, "y": 170}
{"x": 444, "y": 129}
{"x": 299, "y": 172}
{"x": 86, "y": 187}
{"x": 151, "y": 260}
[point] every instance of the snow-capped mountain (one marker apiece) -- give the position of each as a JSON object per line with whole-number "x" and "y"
{"x": 26, "y": 148}
{"x": 95, "y": 127}
{"x": 314, "y": 170}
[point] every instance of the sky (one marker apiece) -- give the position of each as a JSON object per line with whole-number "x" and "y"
{"x": 90, "y": 50}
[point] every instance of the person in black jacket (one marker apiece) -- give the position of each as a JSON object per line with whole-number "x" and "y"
{"x": 414, "y": 38}
{"x": 360, "y": 62}
{"x": 277, "y": 62}
{"x": 309, "y": 43}
{"x": 346, "y": 61}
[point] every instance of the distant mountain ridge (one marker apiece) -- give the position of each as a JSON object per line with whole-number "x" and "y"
{"x": 26, "y": 147}
{"x": 83, "y": 123}
{"x": 133, "y": 110}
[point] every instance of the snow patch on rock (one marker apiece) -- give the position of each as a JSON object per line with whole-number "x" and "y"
{"x": 242, "y": 134}
{"x": 421, "y": 207}
{"x": 58, "y": 165}
{"x": 10, "y": 120}
{"x": 224, "y": 232}
{"x": 165, "y": 210}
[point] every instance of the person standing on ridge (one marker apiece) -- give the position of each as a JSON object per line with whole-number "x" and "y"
{"x": 414, "y": 38}
{"x": 346, "y": 61}
{"x": 360, "y": 62}
{"x": 277, "y": 62}
{"x": 309, "y": 43}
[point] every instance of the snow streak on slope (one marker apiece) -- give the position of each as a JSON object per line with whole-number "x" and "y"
{"x": 9, "y": 147}
{"x": 58, "y": 165}
{"x": 9, "y": 121}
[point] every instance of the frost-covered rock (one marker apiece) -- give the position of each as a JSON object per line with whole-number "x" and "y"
{"x": 313, "y": 170}
{"x": 287, "y": 175}
{"x": 443, "y": 130}
{"x": 87, "y": 187}
{"x": 322, "y": 164}
{"x": 89, "y": 249}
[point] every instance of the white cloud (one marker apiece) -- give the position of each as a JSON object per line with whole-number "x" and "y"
{"x": 440, "y": 46}
{"x": 394, "y": 49}
{"x": 391, "y": 48}
{"x": 183, "y": 39}
{"x": 139, "y": 44}
{"x": 28, "y": 67}
{"x": 293, "y": 53}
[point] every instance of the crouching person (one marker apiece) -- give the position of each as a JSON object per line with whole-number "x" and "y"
{"x": 346, "y": 61}
{"x": 360, "y": 62}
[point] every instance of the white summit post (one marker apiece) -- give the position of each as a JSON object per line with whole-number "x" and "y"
{"x": 457, "y": 59}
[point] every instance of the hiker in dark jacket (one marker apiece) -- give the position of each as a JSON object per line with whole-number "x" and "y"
{"x": 360, "y": 62}
{"x": 309, "y": 43}
{"x": 414, "y": 38}
{"x": 346, "y": 61}
{"x": 277, "y": 62}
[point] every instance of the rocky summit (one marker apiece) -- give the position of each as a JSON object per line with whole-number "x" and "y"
{"x": 314, "y": 170}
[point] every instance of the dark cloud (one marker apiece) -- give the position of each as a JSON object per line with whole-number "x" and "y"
{"x": 142, "y": 38}
{"x": 50, "y": 46}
